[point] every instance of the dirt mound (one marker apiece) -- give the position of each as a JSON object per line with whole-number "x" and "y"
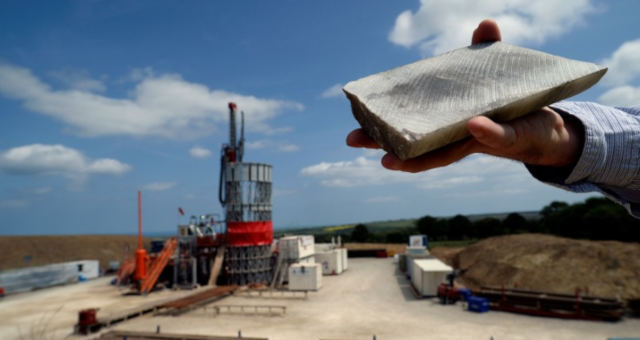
{"x": 28, "y": 251}
{"x": 550, "y": 263}
{"x": 392, "y": 248}
{"x": 446, "y": 254}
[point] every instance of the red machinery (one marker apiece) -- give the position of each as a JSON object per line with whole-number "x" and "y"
{"x": 87, "y": 321}
{"x": 448, "y": 293}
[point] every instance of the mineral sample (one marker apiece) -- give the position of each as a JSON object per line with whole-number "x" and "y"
{"x": 425, "y": 105}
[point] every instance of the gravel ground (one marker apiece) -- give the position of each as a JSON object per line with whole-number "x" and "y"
{"x": 373, "y": 298}
{"x": 51, "y": 313}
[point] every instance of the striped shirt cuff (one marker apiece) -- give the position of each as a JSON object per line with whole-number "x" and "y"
{"x": 610, "y": 158}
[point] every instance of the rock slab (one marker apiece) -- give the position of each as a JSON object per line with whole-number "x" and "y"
{"x": 422, "y": 106}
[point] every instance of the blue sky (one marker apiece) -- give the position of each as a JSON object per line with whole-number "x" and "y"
{"x": 101, "y": 98}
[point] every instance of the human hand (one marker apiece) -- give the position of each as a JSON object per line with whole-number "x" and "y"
{"x": 543, "y": 137}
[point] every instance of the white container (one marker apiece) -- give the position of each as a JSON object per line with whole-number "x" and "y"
{"x": 345, "y": 263}
{"x": 295, "y": 247}
{"x": 307, "y": 260}
{"x": 322, "y": 247}
{"x": 331, "y": 262}
{"x": 305, "y": 276}
{"x": 25, "y": 279}
{"x": 411, "y": 258}
{"x": 427, "y": 274}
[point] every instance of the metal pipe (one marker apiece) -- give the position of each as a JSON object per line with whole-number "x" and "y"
{"x": 232, "y": 126}
{"x": 139, "y": 219}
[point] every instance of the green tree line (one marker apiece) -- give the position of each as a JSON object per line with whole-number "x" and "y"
{"x": 593, "y": 219}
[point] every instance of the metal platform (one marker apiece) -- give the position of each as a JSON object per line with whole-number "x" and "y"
{"x": 165, "y": 307}
{"x": 133, "y": 335}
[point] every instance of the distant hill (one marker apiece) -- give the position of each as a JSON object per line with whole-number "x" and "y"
{"x": 390, "y": 225}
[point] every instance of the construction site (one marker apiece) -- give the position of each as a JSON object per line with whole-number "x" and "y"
{"x": 227, "y": 277}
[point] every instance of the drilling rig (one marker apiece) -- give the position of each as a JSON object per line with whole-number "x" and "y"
{"x": 237, "y": 249}
{"x": 245, "y": 195}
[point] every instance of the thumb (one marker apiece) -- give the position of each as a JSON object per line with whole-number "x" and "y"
{"x": 492, "y": 134}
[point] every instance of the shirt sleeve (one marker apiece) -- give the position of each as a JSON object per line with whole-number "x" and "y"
{"x": 610, "y": 158}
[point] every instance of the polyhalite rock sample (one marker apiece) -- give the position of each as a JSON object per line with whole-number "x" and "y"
{"x": 425, "y": 105}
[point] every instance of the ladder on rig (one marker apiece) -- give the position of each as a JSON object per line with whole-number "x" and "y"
{"x": 282, "y": 267}
{"x": 158, "y": 265}
{"x": 217, "y": 266}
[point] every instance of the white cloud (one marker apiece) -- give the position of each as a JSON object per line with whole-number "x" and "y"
{"x": 107, "y": 166}
{"x": 199, "y": 152}
{"x": 272, "y": 145}
{"x": 14, "y": 204}
{"x": 621, "y": 96}
{"x": 41, "y": 159}
{"x": 360, "y": 172}
{"x": 453, "y": 181}
{"x": 79, "y": 80}
{"x": 477, "y": 169}
{"x": 159, "y": 186}
{"x": 439, "y": 26}
{"x": 624, "y": 69}
{"x": 139, "y": 74}
{"x": 624, "y": 64}
{"x": 160, "y": 105}
{"x": 333, "y": 92}
{"x": 382, "y": 199}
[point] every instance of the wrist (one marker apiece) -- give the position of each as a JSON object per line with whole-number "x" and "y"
{"x": 572, "y": 141}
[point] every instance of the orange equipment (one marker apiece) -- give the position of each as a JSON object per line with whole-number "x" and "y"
{"x": 158, "y": 265}
{"x": 141, "y": 254}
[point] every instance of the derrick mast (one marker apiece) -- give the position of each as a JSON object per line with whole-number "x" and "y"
{"x": 245, "y": 195}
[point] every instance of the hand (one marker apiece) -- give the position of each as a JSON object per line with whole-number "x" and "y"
{"x": 543, "y": 137}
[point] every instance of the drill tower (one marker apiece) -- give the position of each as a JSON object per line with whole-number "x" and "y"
{"x": 245, "y": 195}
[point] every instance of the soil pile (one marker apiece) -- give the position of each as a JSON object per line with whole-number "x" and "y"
{"x": 29, "y": 251}
{"x": 391, "y": 248}
{"x": 550, "y": 263}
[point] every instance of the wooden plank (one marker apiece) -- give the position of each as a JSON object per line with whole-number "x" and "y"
{"x": 217, "y": 266}
{"x": 425, "y": 105}
{"x": 190, "y": 302}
